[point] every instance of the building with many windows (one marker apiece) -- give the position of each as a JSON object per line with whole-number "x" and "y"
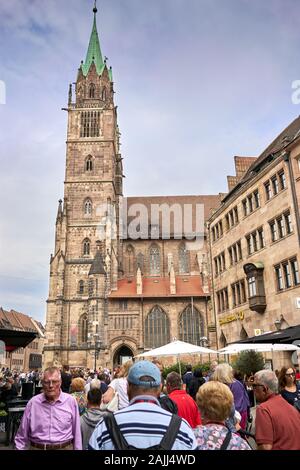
{"x": 122, "y": 278}
{"x": 254, "y": 241}
{"x": 30, "y": 357}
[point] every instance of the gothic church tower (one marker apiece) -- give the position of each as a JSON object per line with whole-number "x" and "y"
{"x": 84, "y": 267}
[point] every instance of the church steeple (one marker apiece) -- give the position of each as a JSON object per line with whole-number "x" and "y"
{"x": 94, "y": 54}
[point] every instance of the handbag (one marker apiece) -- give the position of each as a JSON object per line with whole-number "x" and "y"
{"x": 113, "y": 405}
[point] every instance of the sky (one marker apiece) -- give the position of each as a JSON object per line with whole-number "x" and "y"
{"x": 196, "y": 81}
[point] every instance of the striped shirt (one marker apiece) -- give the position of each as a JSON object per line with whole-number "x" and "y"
{"x": 143, "y": 424}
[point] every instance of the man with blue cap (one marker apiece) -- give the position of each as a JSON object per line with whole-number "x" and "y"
{"x": 143, "y": 424}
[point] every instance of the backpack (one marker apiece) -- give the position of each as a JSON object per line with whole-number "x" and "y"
{"x": 120, "y": 442}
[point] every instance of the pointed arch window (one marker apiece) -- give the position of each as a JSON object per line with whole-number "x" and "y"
{"x": 88, "y": 207}
{"x": 86, "y": 247}
{"x": 104, "y": 94}
{"x": 81, "y": 287}
{"x": 154, "y": 260}
{"x": 89, "y": 163}
{"x": 83, "y": 329}
{"x": 223, "y": 340}
{"x": 191, "y": 326}
{"x": 183, "y": 256}
{"x": 130, "y": 260}
{"x": 92, "y": 90}
{"x": 157, "y": 328}
{"x": 243, "y": 334}
{"x": 140, "y": 261}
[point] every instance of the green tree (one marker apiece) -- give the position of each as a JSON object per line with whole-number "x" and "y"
{"x": 249, "y": 362}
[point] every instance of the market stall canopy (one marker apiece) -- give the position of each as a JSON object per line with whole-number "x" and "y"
{"x": 287, "y": 335}
{"x": 260, "y": 347}
{"x": 15, "y": 339}
{"x": 177, "y": 348}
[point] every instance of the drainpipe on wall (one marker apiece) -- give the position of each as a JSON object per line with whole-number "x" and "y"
{"x": 287, "y": 159}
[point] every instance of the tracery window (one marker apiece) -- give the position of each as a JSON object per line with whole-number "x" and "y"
{"x": 154, "y": 260}
{"x": 86, "y": 247}
{"x": 183, "y": 259}
{"x": 157, "y": 328}
{"x": 83, "y": 329}
{"x": 191, "y": 326}
{"x": 92, "y": 90}
{"x": 88, "y": 206}
{"x": 89, "y": 164}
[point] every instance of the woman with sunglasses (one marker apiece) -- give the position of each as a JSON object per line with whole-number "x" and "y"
{"x": 289, "y": 389}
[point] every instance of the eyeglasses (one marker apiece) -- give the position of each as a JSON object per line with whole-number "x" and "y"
{"x": 290, "y": 375}
{"x": 257, "y": 385}
{"x": 49, "y": 383}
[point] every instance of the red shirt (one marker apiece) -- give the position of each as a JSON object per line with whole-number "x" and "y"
{"x": 278, "y": 423}
{"x": 187, "y": 407}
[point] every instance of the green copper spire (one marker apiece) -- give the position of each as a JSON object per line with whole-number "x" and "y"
{"x": 94, "y": 50}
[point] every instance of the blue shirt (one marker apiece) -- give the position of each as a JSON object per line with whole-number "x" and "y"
{"x": 143, "y": 424}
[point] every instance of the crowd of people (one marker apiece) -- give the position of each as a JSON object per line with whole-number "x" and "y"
{"x": 134, "y": 407}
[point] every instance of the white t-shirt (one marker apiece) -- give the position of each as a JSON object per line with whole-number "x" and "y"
{"x": 120, "y": 386}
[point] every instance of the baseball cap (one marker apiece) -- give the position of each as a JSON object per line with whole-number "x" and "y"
{"x": 141, "y": 369}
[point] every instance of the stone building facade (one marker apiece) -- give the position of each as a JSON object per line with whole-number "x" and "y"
{"x": 254, "y": 241}
{"x": 120, "y": 284}
{"x": 23, "y": 359}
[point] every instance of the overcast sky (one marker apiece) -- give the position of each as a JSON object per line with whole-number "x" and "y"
{"x": 196, "y": 81}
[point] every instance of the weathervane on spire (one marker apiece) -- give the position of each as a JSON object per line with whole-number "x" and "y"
{"x": 95, "y": 7}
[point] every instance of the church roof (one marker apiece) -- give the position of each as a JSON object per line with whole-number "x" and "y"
{"x": 97, "y": 266}
{"x": 94, "y": 54}
{"x": 186, "y": 286}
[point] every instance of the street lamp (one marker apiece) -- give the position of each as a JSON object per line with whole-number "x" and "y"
{"x": 96, "y": 347}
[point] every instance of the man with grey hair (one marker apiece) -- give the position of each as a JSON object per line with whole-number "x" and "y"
{"x": 277, "y": 422}
{"x": 51, "y": 419}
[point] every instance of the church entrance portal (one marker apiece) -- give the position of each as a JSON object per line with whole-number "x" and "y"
{"x": 122, "y": 355}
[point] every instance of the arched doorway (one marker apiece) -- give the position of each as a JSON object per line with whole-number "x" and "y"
{"x": 122, "y": 355}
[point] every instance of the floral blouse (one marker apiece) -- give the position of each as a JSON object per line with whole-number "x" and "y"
{"x": 212, "y": 435}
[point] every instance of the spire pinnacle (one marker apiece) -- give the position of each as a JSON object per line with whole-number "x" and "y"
{"x": 94, "y": 54}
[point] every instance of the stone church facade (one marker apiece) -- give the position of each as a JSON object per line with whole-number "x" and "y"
{"x": 113, "y": 294}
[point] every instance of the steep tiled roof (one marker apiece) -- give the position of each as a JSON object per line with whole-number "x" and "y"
{"x": 209, "y": 203}
{"x": 186, "y": 286}
{"x": 272, "y": 151}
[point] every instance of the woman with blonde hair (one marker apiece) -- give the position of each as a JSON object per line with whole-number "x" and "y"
{"x": 224, "y": 374}
{"x": 77, "y": 391}
{"x": 215, "y": 402}
{"x": 118, "y": 386}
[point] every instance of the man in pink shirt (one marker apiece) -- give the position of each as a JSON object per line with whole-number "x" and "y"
{"x": 187, "y": 407}
{"x": 51, "y": 419}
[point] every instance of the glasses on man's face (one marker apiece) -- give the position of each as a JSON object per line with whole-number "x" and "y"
{"x": 290, "y": 375}
{"x": 50, "y": 383}
{"x": 257, "y": 385}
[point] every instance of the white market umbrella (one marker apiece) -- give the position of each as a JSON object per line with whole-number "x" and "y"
{"x": 177, "y": 348}
{"x": 260, "y": 347}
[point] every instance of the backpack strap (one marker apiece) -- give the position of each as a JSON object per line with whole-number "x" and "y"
{"x": 226, "y": 440}
{"x": 115, "y": 434}
{"x": 171, "y": 434}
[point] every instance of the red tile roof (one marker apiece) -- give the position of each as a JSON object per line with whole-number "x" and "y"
{"x": 186, "y": 286}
